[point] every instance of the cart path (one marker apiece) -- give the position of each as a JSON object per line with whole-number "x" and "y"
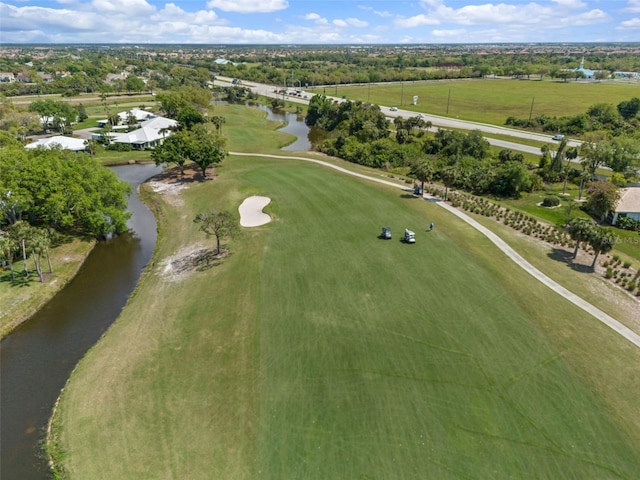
{"x": 603, "y": 317}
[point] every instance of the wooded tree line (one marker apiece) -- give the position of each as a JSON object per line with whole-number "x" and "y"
{"x": 360, "y": 133}
{"x": 615, "y": 120}
{"x": 60, "y": 190}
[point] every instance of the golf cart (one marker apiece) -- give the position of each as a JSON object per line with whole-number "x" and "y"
{"x": 409, "y": 237}
{"x": 386, "y": 233}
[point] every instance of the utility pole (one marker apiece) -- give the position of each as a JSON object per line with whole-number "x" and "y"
{"x": 448, "y": 99}
{"x": 531, "y": 111}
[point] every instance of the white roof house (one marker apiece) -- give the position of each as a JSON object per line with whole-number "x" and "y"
{"x": 137, "y": 113}
{"x": 629, "y": 205}
{"x": 151, "y": 133}
{"x": 65, "y": 143}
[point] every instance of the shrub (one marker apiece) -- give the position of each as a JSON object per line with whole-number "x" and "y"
{"x": 119, "y": 147}
{"x": 626, "y": 264}
{"x": 609, "y": 273}
{"x": 550, "y": 201}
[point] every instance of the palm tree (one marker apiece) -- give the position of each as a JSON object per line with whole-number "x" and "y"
{"x": 580, "y": 229}
{"x": 21, "y": 234}
{"x": 602, "y": 241}
{"x": 218, "y": 121}
{"x": 421, "y": 170}
{"x": 449, "y": 176}
{"x": 7, "y": 248}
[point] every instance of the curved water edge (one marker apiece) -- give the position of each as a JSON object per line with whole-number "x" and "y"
{"x": 38, "y": 357}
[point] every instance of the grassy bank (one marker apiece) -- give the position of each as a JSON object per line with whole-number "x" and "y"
{"x": 316, "y": 350}
{"x": 23, "y": 298}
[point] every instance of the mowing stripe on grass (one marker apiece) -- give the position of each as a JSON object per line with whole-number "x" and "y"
{"x": 598, "y": 314}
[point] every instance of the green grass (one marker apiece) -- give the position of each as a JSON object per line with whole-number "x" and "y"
{"x": 492, "y": 100}
{"x": 316, "y": 350}
{"x": 23, "y": 298}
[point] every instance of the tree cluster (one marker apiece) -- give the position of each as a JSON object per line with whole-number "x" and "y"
{"x": 61, "y": 190}
{"x": 616, "y": 120}
{"x": 360, "y": 133}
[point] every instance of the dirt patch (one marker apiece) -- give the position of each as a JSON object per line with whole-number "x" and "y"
{"x": 190, "y": 259}
{"x": 170, "y": 183}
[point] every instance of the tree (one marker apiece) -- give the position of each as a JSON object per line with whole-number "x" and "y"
{"x": 8, "y": 248}
{"x": 91, "y": 146}
{"x": 205, "y": 148}
{"x": 134, "y": 84}
{"x": 218, "y": 121}
{"x": 629, "y": 108}
{"x": 61, "y": 190}
{"x": 220, "y": 224}
{"x": 448, "y": 175}
{"x": 596, "y": 151}
{"x": 602, "y": 241}
{"x": 602, "y": 198}
{"x": 21, "y": 233}
{"x": 421, "y": 170}
{"x": 174, "y": 149}
{"x": 58, "y": 114}
{"x": 580, "y": 230}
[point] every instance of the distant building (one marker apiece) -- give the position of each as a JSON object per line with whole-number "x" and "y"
{"x": 588, "y": 73}
{"x": 7, "y": 77}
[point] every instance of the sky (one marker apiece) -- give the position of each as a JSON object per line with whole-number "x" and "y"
{"x": 294, "y": 22}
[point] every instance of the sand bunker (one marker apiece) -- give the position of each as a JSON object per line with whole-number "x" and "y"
{"x": 251, "y": 214}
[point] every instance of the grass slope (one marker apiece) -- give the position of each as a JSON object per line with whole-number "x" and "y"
{"x": 315, "y": 350}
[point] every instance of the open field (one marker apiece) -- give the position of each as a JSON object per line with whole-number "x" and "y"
{"x": 316, "y": 350}
{"x": 492, "y": 100}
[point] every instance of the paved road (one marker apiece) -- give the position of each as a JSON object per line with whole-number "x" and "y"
{"x": 436, "y": 120}
{"x": 598, "y": 314}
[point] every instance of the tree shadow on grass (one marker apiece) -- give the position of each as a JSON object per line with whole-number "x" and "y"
{"x": 560, "y": 255}
{"x": 19, "y": 279}
{"x": 200, "y": 260}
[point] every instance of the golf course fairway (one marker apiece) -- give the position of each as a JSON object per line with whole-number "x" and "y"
{"x": 314, "y": 350}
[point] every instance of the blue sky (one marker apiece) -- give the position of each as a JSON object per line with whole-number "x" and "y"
{"x": 318, "y": 22}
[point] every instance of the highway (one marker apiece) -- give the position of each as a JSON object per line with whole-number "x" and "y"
{"x": 436, "y": 120}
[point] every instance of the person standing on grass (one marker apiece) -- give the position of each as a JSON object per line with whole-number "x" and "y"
{"x": 431, "y": 226}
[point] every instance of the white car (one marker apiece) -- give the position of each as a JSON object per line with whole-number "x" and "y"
{"x": 558, "y": 137}
{"x": 393, "y": 109}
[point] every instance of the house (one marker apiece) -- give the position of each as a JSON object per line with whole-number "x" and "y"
{"x": 628, "y": 206}
{"x": 138, "y": 114}
{"x": 151, "y": 133}
{"x": 7, "y": 77}
{"x": 65, "y": 143}
{"x": 123, "y": 117}
{"x": 45, "y": 77}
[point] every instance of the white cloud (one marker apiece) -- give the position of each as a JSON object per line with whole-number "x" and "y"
{"x": 415, "y": 21}
{"x": 633, "y": 6}
{"x": 524, "y": 15}
{"x": 316, "y": 18}
{"x": 570, "y": 4}
{"x": 248, "y": 6}
{"x": 35, "y": 18}
{"x": 350, "y": 22}
{"x": 125, "y": 7}
{"x": 173, "y": 13}
{"x": 632, "y": 24}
